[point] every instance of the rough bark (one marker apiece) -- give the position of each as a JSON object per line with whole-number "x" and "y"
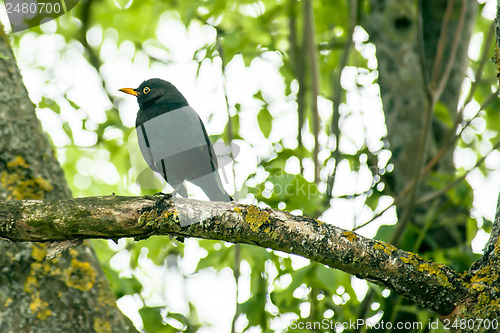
{"x": 484, "y": 300}
{"x": 456, "y": 297}
{"x": 432, "y": 285}
{"x": 407, "y": 42}
{"x": 410, "y": 88}
{"x": 393, "y": 28}
{"x": 70, "y": 293}
{"x": 401, "y": 83}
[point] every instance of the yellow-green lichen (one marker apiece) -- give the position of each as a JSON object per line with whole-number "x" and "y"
{"x": 488, "y": 304}
{"x": 256, "y": 217}
{"x": 483, "y": 277}
{"x": 168, "y": 214}
{"x": 146, "y": 217}
{"x": 102, "y": 326}
{"x": 43, "y": 268}
{"x": 39, "y": 268}
{"x": 39, "y": 252}
{"x": 31, "y": 281}
{"x": 430, "y": 268}
{"x": 351, "y": 236}
{"x": 272, "y": 233}
{"x": 411, "y": 258}
{"x": 106, "y": 297}
{"x": 7, "y": 302}
{"x": 433, "y": 269}
{"x": 406, "y": 260}
{"x": 483, "y": 304}
{"x": 40, "y": 307}
{"x": 153, "y": 219}
{"x": 73, "y": 253}
{"x": 20, "y": 184}
{"x": 386, "y": 248}
{"x": 17, "y": 162}
{"x": 80, "y": 275}
{"x": 497, "y": 245}
{"x": 43, "y": 184}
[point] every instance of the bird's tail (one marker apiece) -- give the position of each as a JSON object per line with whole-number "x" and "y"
{"x": 211, "y": 184}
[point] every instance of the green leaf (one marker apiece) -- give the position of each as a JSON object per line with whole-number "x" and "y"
{"x": 443, "y": 114}
{"x": 216, "y": 259}
{"x": 119, "y": 285}
{"x": 254, "y": 307}
{"x": 159, "y": 248}
{"x": 265, "y": 121}
{"x": 153, "y": 321}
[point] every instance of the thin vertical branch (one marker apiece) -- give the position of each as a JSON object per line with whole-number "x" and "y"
{"x": 93, "y": 57}
{"x": 448, "y": 142}
{"x": 429, "y": 166}
{"x": 424, "y": 139}
{"x": 495, "y": 231}
{"x": 298, "y": 66}
{"x": 421, "y": 51}
{"x": 454, "y": 47}
{"x": 451, "y": 135}
{"x": 312, "y": 54}
{"x": 438, "y": 60}
{"x": 230, "y": 138}
{"x": 230, "y": 133}
{"x": 236, "y": 272}
{"x": 338, "y": 93}
{"x": 453, "y": 183}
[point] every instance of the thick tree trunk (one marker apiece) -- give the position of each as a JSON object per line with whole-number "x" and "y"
{"x": 407, "y": 40}
{"x": 69, "y": 293}
{"x": 394, "y": 30}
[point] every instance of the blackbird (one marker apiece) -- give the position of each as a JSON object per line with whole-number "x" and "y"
{"x": 173, "y": 139}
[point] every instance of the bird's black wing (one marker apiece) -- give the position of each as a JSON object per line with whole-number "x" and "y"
{"x": 145, "y": 147}
{"x": 210, "y": 147}
{"x": 176, "y": 145}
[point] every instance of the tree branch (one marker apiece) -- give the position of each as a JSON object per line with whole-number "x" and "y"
{"x": 431, "y": 285}
{"x": 312, "y": 54}
{"x": 338, "y": 93}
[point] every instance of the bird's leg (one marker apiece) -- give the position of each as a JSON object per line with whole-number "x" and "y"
{"x": 225, "y": 175}
{"x": 176, "y": 189}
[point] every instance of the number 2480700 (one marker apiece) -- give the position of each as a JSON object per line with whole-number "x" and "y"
{"x": 32, "y": 8}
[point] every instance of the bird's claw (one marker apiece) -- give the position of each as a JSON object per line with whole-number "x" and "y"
{"x": 165, "y": 195}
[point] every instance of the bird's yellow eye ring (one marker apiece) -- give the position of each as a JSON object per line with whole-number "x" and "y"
{"x": 146, "y": 90}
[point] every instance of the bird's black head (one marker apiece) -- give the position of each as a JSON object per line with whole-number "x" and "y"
{"x": 157, "y": 91}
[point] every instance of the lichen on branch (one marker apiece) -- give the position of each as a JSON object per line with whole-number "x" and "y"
{"x": 430, "y": 284}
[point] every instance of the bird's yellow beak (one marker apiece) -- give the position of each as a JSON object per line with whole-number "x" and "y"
{"x": 129, "y": 91}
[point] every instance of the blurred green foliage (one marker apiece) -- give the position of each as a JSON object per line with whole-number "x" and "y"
{"x": 280, "y": 286}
